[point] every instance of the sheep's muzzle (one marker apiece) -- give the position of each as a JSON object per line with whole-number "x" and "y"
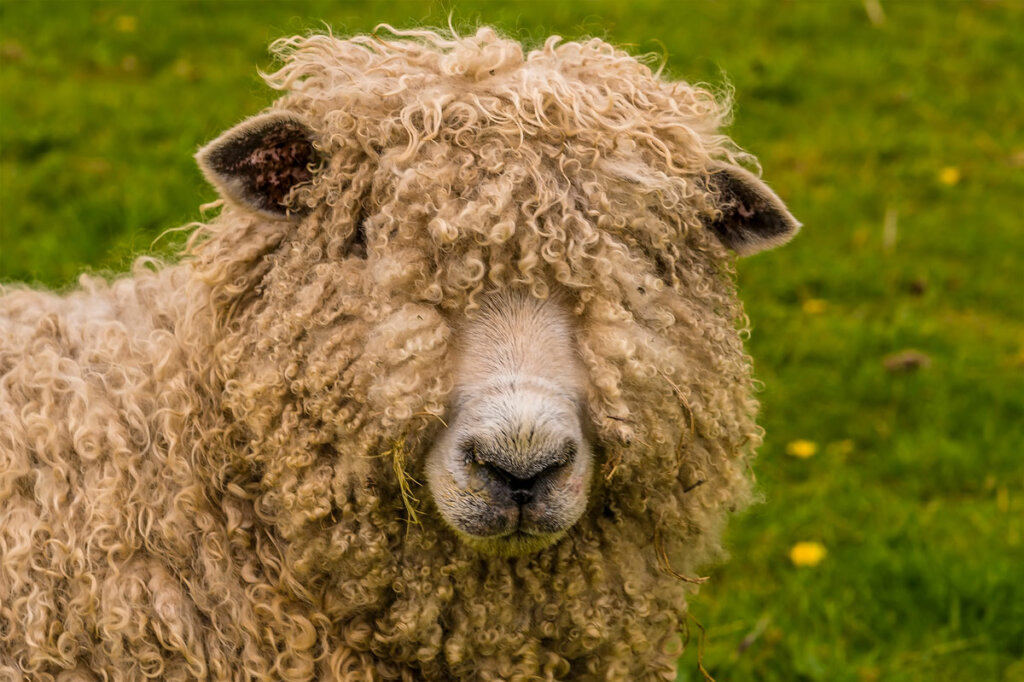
{"x": 511, "y": 472}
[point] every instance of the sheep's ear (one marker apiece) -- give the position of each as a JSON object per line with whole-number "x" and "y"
{"x": 753, "y": 218}
{"x": 259, "y": 161}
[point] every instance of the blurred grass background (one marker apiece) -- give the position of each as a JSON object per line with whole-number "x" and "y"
{"x": 893, "y": 130}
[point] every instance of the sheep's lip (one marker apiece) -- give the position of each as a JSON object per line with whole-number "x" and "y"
{"x": 517, "y": 542}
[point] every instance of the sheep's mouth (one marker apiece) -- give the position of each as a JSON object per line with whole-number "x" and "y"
{"x": 510, "y": 517}
{"x": 508, "y": 530}
{"x": 517, "y": 542}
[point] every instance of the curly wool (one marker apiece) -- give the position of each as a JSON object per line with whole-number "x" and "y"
{"x": 202, "y": 464}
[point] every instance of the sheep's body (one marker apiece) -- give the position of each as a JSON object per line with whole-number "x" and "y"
{"x": 202, "y": 465}
{"x": 85, "y": 409}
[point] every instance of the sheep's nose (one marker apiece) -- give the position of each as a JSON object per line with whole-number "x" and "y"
{"x": 521, "y": 476}
{"x": 520, "y": 489}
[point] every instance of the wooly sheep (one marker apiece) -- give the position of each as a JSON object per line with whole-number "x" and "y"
{"x": 452, "y": 388}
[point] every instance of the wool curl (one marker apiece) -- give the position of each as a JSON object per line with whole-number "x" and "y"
{"x": 197, "y": 460}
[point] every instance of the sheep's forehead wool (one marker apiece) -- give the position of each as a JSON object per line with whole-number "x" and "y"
{"x": 374, "y": 89}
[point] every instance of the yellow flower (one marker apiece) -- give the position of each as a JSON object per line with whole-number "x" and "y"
{"x": 815, "y": 306}
{"x": 802, "y": 449}
{"x": 807, "y": 553}
{"x": 950, "y": 175}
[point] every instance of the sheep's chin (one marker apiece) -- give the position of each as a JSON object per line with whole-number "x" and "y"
{"x": 516, "y": 543}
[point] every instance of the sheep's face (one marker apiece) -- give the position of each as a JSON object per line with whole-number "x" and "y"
{"x": 504, "y": 279}
{"x": 511, "y": 471}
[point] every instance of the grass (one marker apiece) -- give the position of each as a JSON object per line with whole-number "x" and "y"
{"x": 898, "y": 144}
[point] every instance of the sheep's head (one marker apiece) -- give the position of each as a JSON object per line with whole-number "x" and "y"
{"x": 516, "y": 267}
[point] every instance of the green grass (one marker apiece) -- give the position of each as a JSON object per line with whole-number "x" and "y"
{"x": 917, "y": 489}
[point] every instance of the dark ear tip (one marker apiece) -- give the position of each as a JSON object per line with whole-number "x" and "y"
{"x": 757, "y": 245}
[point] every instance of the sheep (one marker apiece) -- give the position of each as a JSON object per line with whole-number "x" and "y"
{"x": 452, "y": 388}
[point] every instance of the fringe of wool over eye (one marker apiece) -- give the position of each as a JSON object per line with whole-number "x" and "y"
{"x": 196, "y": 475}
